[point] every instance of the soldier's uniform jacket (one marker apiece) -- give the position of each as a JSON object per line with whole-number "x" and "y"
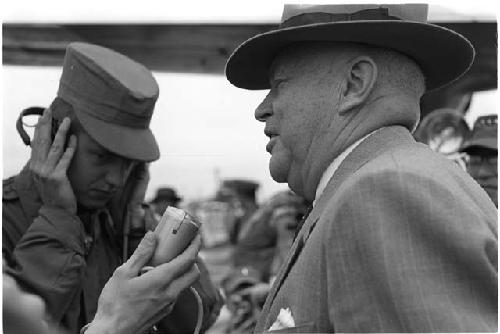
{"x": 50, "y": 252}
{"x": 68, "y": 259}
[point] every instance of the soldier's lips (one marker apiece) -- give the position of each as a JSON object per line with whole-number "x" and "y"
{"x": 101, "y": 194}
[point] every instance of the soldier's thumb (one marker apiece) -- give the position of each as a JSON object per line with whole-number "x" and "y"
{"x": 143, "y": 253}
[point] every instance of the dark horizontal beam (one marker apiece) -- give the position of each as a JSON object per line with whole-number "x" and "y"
{"x": 204, "y": 48}
{"x": 169, "y": 48}
{"x": 201, "y": 48}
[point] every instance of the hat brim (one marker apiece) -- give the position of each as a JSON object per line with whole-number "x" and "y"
{"x": 131, "y": 143}
{"x": 157, "y": 199}
{"x": 442, "y": 54}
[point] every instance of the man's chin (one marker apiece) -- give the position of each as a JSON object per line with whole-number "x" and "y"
{"x": 277, "y": 171}
{"x": 92, "y": 204}
{"x": 278, "y": 179}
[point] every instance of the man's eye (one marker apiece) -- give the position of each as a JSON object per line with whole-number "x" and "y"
{"x": 278, "y": 83}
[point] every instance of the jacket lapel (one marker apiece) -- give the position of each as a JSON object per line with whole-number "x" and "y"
{"x": 374, "y": 145}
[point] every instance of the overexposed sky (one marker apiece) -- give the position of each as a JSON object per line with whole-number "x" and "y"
{"x": 208, "y": 11}
{"x": 205, "y": 126}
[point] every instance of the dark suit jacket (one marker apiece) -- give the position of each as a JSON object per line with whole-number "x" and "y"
{"x": 402, "y": 240}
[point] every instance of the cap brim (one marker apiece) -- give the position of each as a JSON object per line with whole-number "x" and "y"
{"x": 490, "y": 143}
{"x": 442, "y": 54}
{"x": 132, "y": 143}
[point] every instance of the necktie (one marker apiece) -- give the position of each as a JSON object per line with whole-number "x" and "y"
{"x": 303, "y": 220}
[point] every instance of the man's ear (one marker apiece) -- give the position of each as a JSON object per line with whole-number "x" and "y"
{"x": 360, "y": 79}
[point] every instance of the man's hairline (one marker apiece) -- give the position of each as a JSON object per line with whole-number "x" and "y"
{"x": 343, "y": 47}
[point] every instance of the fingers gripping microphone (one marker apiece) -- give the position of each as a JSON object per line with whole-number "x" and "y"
{"x": 174, "y": 232}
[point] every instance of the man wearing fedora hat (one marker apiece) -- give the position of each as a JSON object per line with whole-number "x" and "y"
{"x": 164, "y": 198}
{"x": 70, "y": 215}
{"x": 399, "y": 239}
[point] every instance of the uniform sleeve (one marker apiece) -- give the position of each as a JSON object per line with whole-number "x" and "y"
{"x": 49, "y": 259}
{"x": 405, "y": 254}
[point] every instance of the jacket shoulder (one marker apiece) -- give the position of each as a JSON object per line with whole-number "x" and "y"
{"x": 9, "y": 192}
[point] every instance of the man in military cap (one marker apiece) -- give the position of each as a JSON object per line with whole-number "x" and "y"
{"x": 482, "y": 151}
{"x": 164, "y": 198}
{"x": 399, "y": 238}
{"x": 69, "y": 215}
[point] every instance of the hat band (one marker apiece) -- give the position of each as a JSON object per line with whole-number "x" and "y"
{"x": 374, "y": 14}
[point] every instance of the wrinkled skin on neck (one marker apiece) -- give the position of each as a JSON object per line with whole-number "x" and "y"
{"x": 346, "y": 129}
{"x": 302, "y": 115}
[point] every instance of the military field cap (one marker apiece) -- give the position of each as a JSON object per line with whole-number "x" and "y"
{"x": 442, "y": 54}
{"x": 113, "y": 98}
{"x": 484, "y": 134}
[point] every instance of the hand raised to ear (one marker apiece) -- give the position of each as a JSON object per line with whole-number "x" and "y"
{"x": 49, "y": 163}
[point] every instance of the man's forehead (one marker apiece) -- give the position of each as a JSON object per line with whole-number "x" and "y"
{"x": 302, "y": 55}
{"x": 286, "y": 60}
{"x": 93, "y": 145}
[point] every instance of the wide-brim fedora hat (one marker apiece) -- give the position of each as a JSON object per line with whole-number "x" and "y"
{"x": 113, "y": 98}
{"x": 442, "y": 54}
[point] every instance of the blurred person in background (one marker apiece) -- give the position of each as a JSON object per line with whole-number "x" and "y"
{"x": 75, "y": 211}
{"x": 444, "y": 130}
{"x": 164, "y": 198}
{"x": 482, "y": 154}
{"x": 263, "y": 244}
{"x": 266, "y": 237}
{"x": 241, "y": 197}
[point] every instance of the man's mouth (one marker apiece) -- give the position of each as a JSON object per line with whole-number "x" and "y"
{"x": 101, "y": 193}
{"x": 271, "y": 143}
{"x": 272, "y": 140}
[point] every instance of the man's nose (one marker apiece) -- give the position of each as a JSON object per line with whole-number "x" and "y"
{"x": 264, "y": 110}
{"x": 115, "y": 175}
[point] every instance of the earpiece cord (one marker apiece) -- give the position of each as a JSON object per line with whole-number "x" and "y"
{"x": 199, "y": 320}
{"x": 200, "y": 311}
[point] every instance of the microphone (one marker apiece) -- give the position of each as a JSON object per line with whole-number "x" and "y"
{"x": 174, "y": 232}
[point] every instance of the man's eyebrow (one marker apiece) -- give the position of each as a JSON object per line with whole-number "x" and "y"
{"x": 276, "y": 75}
{"x": 274, "y": 71}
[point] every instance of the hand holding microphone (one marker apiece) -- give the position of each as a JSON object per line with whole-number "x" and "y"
{"x": 132, "y": 303}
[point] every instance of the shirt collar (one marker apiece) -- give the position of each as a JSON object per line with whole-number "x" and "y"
{"x": 334, "y": 165}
